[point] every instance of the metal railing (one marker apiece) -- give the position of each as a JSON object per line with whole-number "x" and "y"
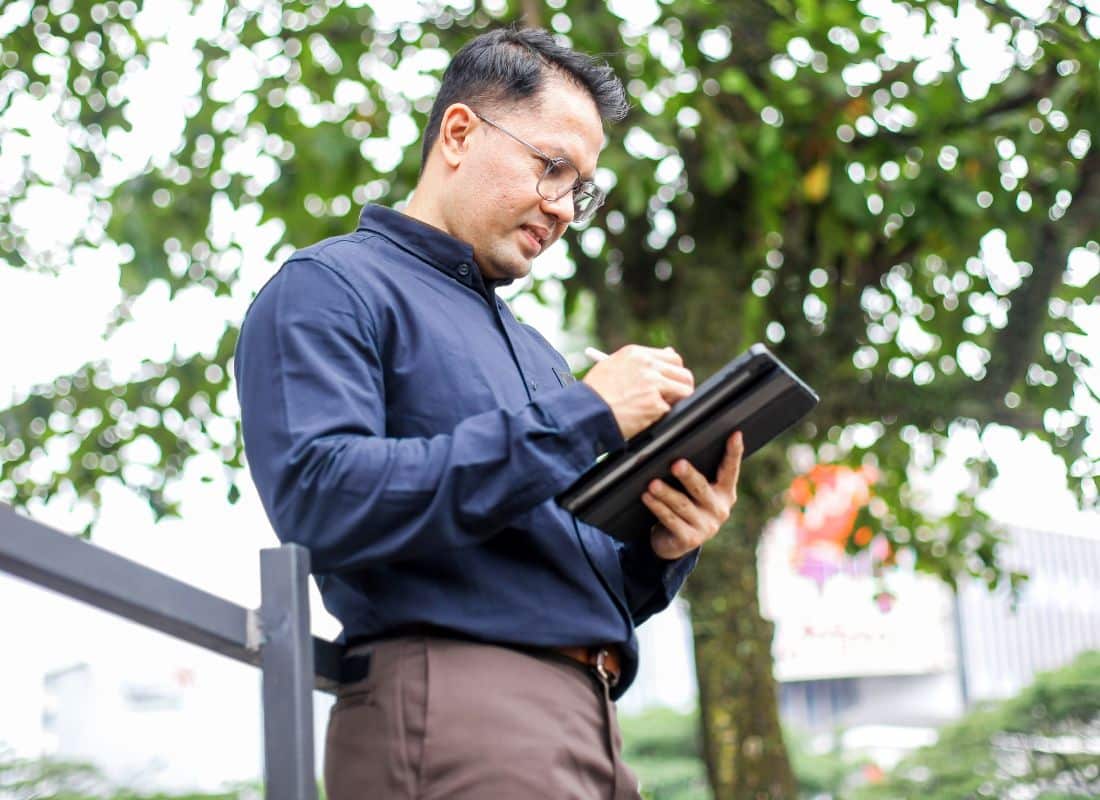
{"x": 274, "y": 637}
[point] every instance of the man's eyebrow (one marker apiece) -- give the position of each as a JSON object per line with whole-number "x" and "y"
{"x": 558, "y": 152}
{"x": 573, "y": 164}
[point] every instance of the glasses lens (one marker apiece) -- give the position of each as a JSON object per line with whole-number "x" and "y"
{"x": 586, "y": 201}
{"x": 559, "y": 179}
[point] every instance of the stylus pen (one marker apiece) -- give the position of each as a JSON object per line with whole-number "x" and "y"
{"x": 594, "y": 354}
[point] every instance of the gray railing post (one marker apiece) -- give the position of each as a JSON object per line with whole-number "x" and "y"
{"x": 960, "y": 648}
{"x": 286, "y": 658}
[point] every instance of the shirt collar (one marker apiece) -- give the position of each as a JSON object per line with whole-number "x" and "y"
{"x": 431, "y": 245}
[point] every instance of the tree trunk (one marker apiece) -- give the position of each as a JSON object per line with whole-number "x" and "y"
{"x": 738, "y": 699}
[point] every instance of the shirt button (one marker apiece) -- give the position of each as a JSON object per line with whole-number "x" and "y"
{"x": 463, "y": 269}
{"x": 534, "y": 386}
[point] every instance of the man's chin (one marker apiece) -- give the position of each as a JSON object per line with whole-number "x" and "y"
{"x": 512, "y": 270}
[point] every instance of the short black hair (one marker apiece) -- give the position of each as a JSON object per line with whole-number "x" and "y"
{"x": 512, "y": 64}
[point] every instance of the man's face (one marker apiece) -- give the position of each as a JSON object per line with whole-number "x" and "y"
{"x": 498, "y": 209}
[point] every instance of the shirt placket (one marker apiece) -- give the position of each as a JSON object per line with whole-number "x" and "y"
{"x": 505, "y": 321}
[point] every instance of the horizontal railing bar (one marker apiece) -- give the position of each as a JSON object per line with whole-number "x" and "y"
{"x": 113, "y": 583}
{"x": 106, "y": 580}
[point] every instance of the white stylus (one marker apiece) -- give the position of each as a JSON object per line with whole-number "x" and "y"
{"x": 594, "y": 354}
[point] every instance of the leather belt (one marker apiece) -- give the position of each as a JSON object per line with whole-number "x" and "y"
{"x": 604, "y": 661}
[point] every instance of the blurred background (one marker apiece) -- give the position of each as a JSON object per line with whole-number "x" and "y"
{"x": 902, "y": 199}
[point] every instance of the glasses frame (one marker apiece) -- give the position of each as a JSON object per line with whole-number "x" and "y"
{"x": 580, "y": 187}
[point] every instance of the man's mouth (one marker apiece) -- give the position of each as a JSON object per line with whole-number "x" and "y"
{"x": 537, "y": 236}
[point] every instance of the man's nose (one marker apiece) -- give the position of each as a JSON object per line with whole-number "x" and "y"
{"x": 561, "y": 209}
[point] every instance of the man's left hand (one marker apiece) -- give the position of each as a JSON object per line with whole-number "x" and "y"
{"x": 686, "y": 520}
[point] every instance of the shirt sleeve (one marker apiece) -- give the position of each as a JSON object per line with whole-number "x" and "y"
{"x": 309, "y": 369}
{"x": 649, "y": 580}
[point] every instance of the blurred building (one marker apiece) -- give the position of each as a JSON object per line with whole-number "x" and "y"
{"x": 943, "y": 653}
{"x": 179, "y": 720}
{"x": 890, "y": 658}
{"x": 149, "y": 724}
{"x": 1057, "y": 617}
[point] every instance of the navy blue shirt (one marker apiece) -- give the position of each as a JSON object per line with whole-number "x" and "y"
{"x": 403, "y": 426}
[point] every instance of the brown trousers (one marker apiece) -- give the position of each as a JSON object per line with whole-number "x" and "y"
{"x": 440, "y": 719}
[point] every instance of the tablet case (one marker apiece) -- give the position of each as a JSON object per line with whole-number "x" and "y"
{"x": 755, "y": 393}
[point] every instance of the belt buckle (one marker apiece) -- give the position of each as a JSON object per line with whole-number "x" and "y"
{"x": 607, "y": 677}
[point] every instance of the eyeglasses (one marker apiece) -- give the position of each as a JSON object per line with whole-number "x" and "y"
{"x": 560, "y": 178}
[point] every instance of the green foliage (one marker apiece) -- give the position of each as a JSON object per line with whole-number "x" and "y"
{"x": 26, "y": 779}
{"x": 662, "y": 747}
{"x": 823, "y": 774}
{"x": 791, "y": 170}
{"x": 1040, "y": 743}
{"x": 35, "y": 778}
{"x": 833, "y": 211}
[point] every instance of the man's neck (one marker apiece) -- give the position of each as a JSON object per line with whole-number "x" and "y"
{"x": 421, "y": 208}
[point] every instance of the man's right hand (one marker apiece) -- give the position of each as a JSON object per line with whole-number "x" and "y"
{"x": 640, "y": 384}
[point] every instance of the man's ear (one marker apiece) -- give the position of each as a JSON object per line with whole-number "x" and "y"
{"x": 458, "y": 122}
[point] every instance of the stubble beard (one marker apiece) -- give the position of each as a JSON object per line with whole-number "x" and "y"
{"x": 507, "y": 263}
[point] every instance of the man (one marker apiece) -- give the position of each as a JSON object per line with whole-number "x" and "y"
{"x": 403, "y": 426}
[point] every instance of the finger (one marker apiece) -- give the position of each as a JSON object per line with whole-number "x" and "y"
{"x": 681, "y": 504}
{"x": 696, "y": 484}
{"x": 673, "y": 523}
{"x": 712, "y": 502}
{"x": 674, "y": 392}
{"x": 669, "y": 390}
{"x": 664, "y": 354}
{"x": 730, "y": 469}
{"x": 675, "y": 373}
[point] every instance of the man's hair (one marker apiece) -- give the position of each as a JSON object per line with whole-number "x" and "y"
{"x": 512, "y": 64}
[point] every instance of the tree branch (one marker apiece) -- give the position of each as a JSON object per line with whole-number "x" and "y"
{"x": 1085, "y": 210}
{"x": 1018, "y": 342}
{"x": 924, "y": 406}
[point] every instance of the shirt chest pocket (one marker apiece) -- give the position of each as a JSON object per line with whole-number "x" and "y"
{"x": 564, "y": 376}
{"x": 547, "y": 376}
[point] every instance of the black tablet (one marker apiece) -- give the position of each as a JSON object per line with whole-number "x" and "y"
{"x": 755, "y": 394}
